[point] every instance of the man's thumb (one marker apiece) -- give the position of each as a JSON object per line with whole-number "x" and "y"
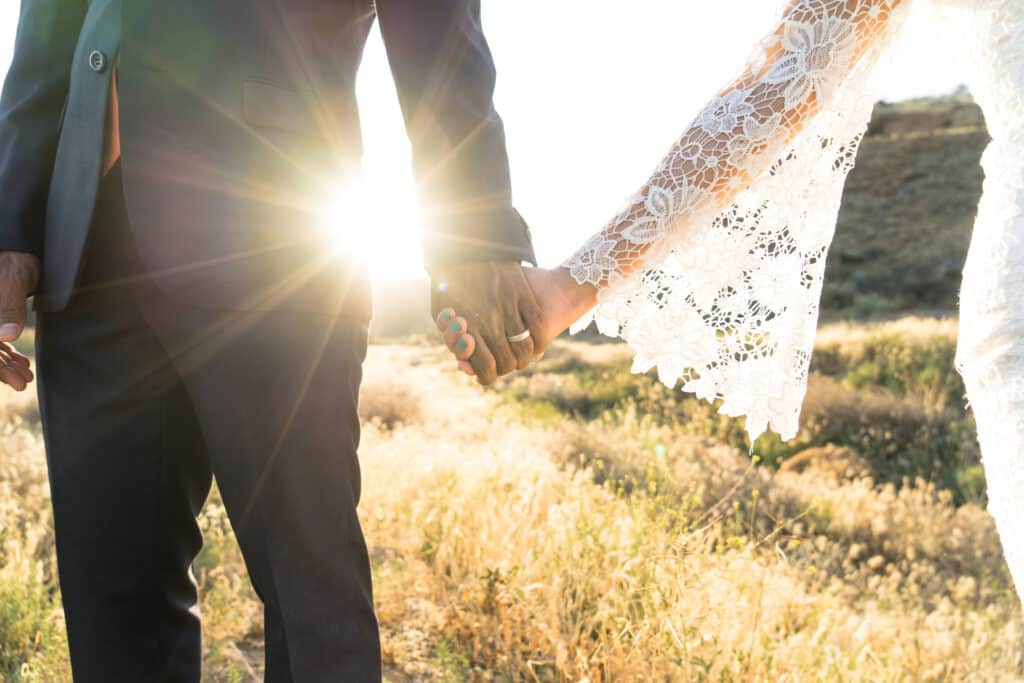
{"x": 12, "y": 320}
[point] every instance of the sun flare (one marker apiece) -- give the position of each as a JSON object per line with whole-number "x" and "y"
{"x": 377, "y": 225}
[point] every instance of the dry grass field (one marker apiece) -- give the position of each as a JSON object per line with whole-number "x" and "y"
{"x": 578, "y": 523}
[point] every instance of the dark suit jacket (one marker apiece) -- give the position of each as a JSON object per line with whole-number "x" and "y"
{"x": 238, "y": 117}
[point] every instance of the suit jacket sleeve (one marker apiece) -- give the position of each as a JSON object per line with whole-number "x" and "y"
{"x": 31, "y": 104}
{"x": 445, "y": 78}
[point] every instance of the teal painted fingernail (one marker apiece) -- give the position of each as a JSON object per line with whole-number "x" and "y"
{"x": 463, "y": 344}
{"x": 446, "y": 316}
{"x": 456, "y": 327}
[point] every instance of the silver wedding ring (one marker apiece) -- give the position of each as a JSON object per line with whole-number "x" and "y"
{"x": 522, "y": 336}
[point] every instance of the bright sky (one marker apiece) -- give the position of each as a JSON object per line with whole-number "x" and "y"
{"x": 592, "y": 95}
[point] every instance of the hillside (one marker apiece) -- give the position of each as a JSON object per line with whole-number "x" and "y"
{"x": 908, "y": 211}
{"x": 903, "y": 230}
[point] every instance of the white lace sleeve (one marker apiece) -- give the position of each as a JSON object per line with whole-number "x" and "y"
{"x": 713, "y": 271}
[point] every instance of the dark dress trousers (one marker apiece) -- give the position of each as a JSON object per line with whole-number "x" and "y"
{"x": 193, "y": 319}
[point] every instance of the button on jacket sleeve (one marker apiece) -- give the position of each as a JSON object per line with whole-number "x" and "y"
{"x": 445, "y": 77}
{"x": 30, "y": 110}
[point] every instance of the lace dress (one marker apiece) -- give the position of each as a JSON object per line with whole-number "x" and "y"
{"x": 713, "y": 270}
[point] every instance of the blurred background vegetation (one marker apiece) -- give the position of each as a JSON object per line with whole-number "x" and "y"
{"x": 578, "y": 522}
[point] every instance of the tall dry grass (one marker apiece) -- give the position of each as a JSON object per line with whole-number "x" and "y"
{"x": 579, "y": 523}
{"x": 33, "y": 646}
{"x": 624, "y": 548}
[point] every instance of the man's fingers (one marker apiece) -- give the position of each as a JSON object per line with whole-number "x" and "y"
{"x": 10, "y": 376}
{"x": 26, "y": 375}
{"x": 533, "y": 317}
{"x": 14, "y": 356}
{"x": 484, "y": 366}
{"x": 16, "y": 365}
{"x": 15, "y": 369}
{"x": 19, "y": 274}
{"x": 492, "y": 358}
{"x": 504, "y": 359}
{"x": 12, "y": 316}
{"x": 522, "y": 348}
{"x": 521, "y": 316}
{"x": 19, "y": 360}
{"x": 524, "y": 352}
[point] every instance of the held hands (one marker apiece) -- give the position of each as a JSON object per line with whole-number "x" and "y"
{"x": 19, "y": 275}
{"x": 495, "y": 303}
{"x": 560, "y": 301}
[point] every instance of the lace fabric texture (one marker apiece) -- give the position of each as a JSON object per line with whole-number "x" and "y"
{"x": 990, "y": 353}
{"x": 713, "y": 271}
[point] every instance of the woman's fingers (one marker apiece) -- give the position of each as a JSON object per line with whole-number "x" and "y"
{"x": 444, "y": 319}
{"x": 464, "y": 347}
{"x": 456, "y": 338}
{"x": 462, "y": 344}
{"x": 456, "y": 330}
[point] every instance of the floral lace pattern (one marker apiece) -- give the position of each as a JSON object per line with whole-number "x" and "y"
{"x": 990, "y": 352}
{"x": 713, "y": 271}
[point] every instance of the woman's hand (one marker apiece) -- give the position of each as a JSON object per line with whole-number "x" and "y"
{"x": 562, "y": 302}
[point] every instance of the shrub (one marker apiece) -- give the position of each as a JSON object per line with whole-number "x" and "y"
{"x": 887, "y": 391}
{"x": 390, "y": 403}
{"x": 910, "y": 363}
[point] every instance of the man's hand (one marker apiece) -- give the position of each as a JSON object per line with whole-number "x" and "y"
{"x": 19, "y": 275}
{"x": 495, "y": 303}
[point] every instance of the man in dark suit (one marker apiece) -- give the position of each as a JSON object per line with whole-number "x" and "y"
{"x": 163, "y": 172}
